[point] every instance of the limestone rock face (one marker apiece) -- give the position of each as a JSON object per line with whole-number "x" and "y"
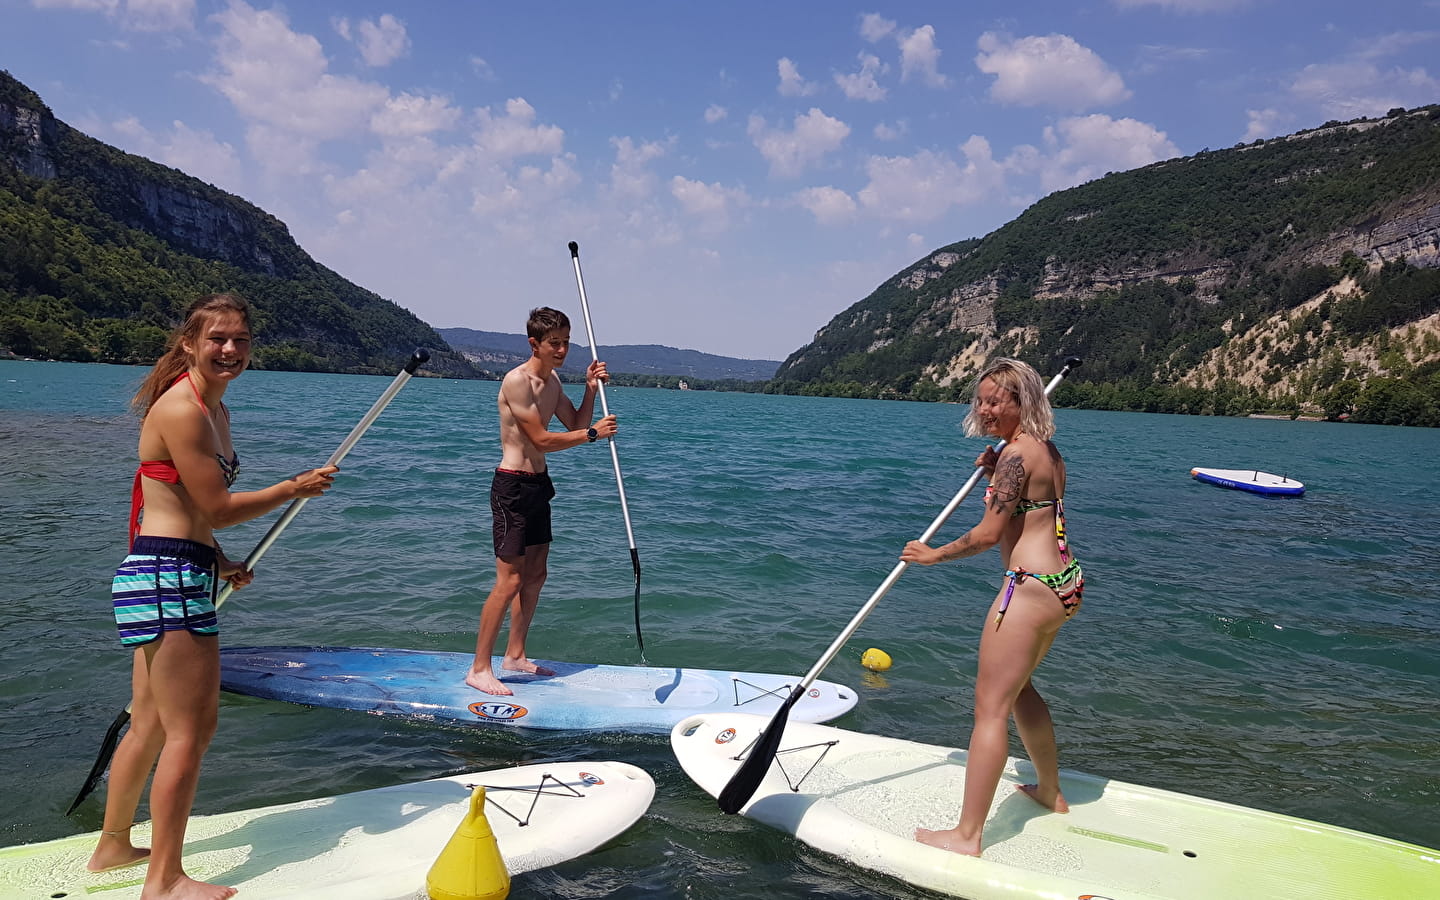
{"x": 143, "y": 194}
{"x": 25, "y": 136}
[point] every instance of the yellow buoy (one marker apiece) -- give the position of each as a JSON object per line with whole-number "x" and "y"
{"x": 470, "y": 867}
{"x": 875, "y": 660}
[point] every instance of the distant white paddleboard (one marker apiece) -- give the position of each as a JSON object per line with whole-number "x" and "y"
{"x": 369, "y": 845}
{"x": 861, "y": 797}
{"x": 1252, "y": 480}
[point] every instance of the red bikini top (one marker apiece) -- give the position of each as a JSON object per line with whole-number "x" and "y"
{"x": 164, "y": 469}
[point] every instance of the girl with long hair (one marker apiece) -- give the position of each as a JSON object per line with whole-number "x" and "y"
{"x": 164, "y": 592}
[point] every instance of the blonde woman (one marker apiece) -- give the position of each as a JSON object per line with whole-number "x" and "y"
{"x": 1042, "y": 589}
{"x": 165, "y": 590}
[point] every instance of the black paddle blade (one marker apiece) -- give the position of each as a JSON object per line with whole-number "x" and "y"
{"x": 102, "y": 761}
{"x": 635, "y": 561}
{"x": 742, "y": 785}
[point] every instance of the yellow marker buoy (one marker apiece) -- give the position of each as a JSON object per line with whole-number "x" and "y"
{"x": 875, "y": 660}
{"x": 470, "y": 867}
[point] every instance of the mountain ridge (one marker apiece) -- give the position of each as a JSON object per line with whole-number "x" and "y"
{"x": 509, "y": 350}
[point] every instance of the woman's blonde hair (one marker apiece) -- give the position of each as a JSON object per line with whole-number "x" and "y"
{"x": 176, "y": 360}
{"x": 1024, "y": 384}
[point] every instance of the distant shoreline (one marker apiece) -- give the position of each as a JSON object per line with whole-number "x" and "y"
{"x": 1286, "y": 418}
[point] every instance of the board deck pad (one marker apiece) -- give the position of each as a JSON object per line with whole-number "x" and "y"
{"x": 368, "y": 845}
{"x": 861, "y": 797}
{"x": 431, "y": 685}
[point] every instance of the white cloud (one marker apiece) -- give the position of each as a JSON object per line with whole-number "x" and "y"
{"x": 630, "y": 176}
{"x": 380, "y": 43}
{"x": 829, "y": 205}
{"x": 1185, "y": 6}
{"x": 923, "y": 187}
{"x": 1263, "y": 123}
{"x": 1348, "y": 90}
{"x": 277, "y": 80}
{"x": 714, "y": 113}
{"x": 515, "y": 133}
{"x": 1050, "y": 71}
{"x": 791, "y": 152}
{"x": 919, "y": 57}
{"x": 1393, "y": 43}
{"x": 1083, "y": 148}
{"x": 197, "y": 153}
{"x": 409, "y": 115}
{"x": 710, "y": 203}
{"x": 483, "y": 70}
{"x": 886, "y": 132}
{"x": 105, "y": 6}
{"x": 159, "y": 15}
{"x": 791, "y": 84}
{"x": 873, "y": 27}
{"x": 134, "y": 15}
{"x": 862, "y": 85}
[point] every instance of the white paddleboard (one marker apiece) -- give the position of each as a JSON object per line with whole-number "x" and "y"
{"x": 1252, "y": 480}
{"x": 861, "y": 797}
{"x": 370, "y": 845}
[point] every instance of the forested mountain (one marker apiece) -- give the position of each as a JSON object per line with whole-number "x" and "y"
{"x": 649, "y": 363}
{"x": 1293, "y": 275}
{"x": 102, "y": 251}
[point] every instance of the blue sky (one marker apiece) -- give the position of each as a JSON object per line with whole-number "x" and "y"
{"x": 735, "y": 173}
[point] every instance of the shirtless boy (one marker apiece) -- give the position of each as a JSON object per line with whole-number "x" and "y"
{"x": 520, "y": 494}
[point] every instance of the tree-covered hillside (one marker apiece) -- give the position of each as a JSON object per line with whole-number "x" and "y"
{"x": 101, "y": 251}
{"x": 1304, "y": 249}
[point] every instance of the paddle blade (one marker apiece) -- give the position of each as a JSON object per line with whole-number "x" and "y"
{"x": 742, "y": 785}
{"x": 102, "y": 761}
{"x": 635, "y": 561}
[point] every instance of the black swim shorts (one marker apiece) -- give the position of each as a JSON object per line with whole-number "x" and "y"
{"x": 520, "y": 504}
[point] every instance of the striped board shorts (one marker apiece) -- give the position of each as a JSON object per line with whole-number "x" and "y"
{"x": 165, "y": 584}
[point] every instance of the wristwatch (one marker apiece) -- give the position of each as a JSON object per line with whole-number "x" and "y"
{"x": 591, "y": 434}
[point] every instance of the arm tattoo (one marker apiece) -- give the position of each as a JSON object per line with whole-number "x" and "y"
{"x": 959, "y": 549}
{"x": 1009, "y": 476}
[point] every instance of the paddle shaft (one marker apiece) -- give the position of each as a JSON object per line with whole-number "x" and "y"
{"x": 901, "y": 566}
{"x": 417, "y": 359}
{"x": 614, "y": 454}
{"x": 112, "y": 735}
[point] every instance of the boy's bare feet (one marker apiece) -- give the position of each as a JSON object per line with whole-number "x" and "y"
{"x": 523, "y": 665}
{"x": 487, "y": 682}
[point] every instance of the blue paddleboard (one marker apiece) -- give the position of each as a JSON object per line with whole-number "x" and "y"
{"x": 431, "y": 685}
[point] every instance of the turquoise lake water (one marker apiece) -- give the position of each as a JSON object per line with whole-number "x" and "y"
{"x": 1281, "y": 653}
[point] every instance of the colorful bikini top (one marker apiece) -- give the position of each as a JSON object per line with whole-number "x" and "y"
{"x": 1025, "y": 506}
{"x": 164, "y": 469}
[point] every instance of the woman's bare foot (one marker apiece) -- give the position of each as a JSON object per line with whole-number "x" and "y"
{"x": 1054, "y": 802}
{"x": 185, "y": 888}
{"x": 116, "y": 855}
{"x": 949, "y": 839}
{"x": 487, "y": 682}
{"x": 523, "y": 665}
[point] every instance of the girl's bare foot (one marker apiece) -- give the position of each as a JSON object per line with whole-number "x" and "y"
{"x": 185, "y": 888}
{"x": 110, "y": 855}
{"x": 1055, "y": 802}
{"x": 949, "y": 839}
